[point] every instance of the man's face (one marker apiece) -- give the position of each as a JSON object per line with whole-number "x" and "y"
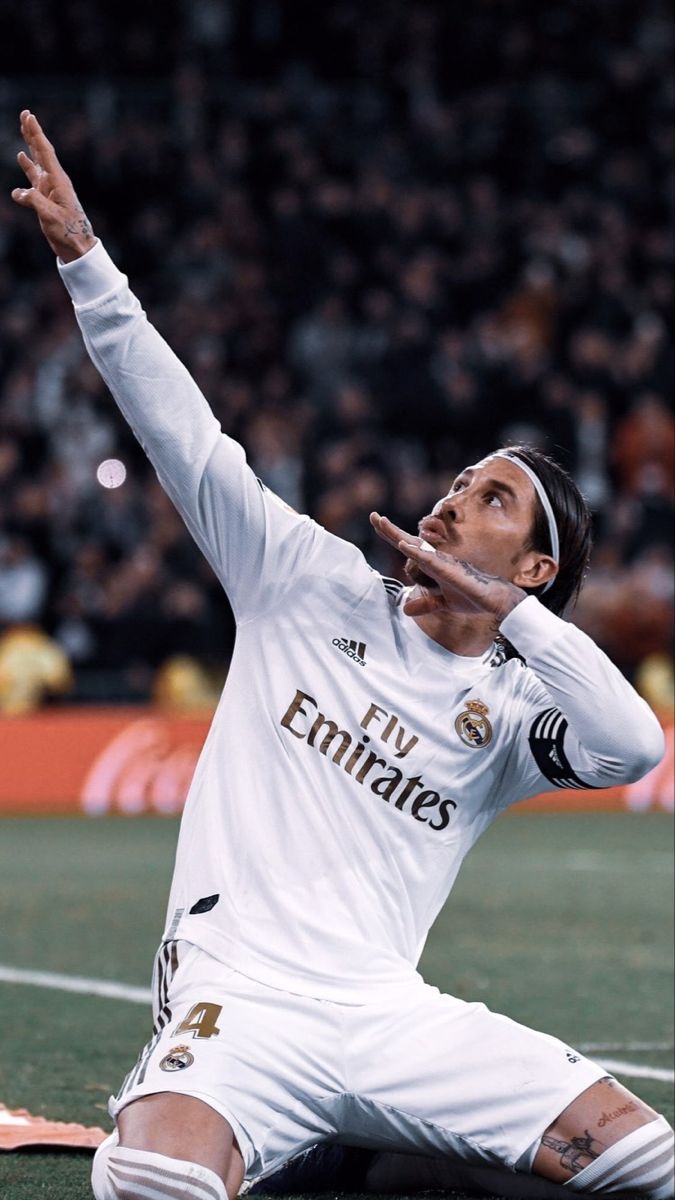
{"x": 486, "y": 519}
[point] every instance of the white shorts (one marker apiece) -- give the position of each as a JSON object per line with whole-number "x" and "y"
{"x": 412, "y": 1070}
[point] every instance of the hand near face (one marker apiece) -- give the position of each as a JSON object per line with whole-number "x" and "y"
{"x": 51, "y": 194}
{"x": 460, "y": 588}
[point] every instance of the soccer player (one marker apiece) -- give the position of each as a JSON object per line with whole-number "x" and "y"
{"x": 367, "y": 735}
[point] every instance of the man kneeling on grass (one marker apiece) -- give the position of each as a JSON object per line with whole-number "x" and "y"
{"x": 335, "y": 799}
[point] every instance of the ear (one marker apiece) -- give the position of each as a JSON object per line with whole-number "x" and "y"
{"x": 534, "y": 570}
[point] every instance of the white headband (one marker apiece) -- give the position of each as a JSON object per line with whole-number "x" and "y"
{"x": 545, "y": 502}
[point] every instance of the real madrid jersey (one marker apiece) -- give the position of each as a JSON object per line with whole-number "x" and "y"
{"x": 352, "y": 761}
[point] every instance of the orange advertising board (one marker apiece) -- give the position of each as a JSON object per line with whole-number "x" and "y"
{"x": 96, "y": 761}
{"x": 139, "y": 761}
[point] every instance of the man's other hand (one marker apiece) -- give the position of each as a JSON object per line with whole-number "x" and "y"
{"x": 448, "y": 584}
{"x": 51, "y": 194}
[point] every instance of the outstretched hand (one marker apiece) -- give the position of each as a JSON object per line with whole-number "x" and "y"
{"x": 51, "y": 195}
{"x": 460, "y": 587}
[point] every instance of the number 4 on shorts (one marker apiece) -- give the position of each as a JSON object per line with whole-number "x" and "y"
{"x": 200, "y": 1022}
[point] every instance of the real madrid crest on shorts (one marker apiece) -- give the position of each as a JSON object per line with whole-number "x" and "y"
{"x": 177, "y": 1059}
{"x": 473, "y": 726}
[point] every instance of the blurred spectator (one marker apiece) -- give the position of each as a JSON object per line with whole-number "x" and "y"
{"x": 644, "y": 448}
{"x": 31, "y": 667}
{"x": 23, "y": 582}
{"x": 656, "y": 682}
{"x": 182, "y": 685}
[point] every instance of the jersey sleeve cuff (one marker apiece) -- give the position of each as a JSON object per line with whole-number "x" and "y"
{"x": 91, "y": 277}
{"x": 531, "y": 627}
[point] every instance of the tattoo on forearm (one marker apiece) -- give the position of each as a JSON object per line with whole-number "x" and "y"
{"x": 487, "y": 579}
{"x": 575, "y": 1154}
{"x": 481, "y": 576}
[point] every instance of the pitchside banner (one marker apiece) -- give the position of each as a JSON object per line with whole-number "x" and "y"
{"x": 138, "y": 761}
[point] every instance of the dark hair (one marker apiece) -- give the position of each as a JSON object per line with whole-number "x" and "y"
{"x": 574, "y": 522}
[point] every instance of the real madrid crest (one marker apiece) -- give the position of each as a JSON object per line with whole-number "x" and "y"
{"x": 473, "y": 726}
{"x": 178, "y": 1058}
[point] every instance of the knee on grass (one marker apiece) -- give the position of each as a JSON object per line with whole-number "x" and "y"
{"x": 641, "y": 1164}
{"x": 122, "y": 1174}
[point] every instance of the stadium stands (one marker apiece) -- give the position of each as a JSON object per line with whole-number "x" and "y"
{"x": 381, "y": 239}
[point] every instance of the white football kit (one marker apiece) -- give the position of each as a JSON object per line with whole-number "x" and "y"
{"x": 351, "y": 764}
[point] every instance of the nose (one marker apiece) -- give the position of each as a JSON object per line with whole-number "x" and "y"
{"x": 449, "y": 509}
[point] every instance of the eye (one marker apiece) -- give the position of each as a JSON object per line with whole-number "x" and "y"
{"x": 458, "y": 485}
{"x": 494, "y": 499}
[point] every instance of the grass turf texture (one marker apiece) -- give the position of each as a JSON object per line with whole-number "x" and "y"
{"x": 560, "y": 921}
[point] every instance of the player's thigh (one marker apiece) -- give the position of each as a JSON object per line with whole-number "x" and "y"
{"x": 259, "y": 1058}
{"x": 602, "y": 1115}
{"x": 474, "y": 1083}
{"x": 182, "y": 1127}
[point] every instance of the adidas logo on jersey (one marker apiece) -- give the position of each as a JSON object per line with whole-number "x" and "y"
{"x": 354, "y": 650}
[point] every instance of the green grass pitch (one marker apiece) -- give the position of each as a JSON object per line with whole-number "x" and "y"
{"x": 563, "y": 922}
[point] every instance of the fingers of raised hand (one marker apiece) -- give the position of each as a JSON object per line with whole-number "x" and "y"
{"x": 45, "y": 208}
{"x": 28, "y": 135}
{"x": 39, "y": 144}
{"x": 37, "y": 177}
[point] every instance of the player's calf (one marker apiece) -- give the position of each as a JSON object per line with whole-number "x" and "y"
{"x": 642, "y": 1163}
{"x": 326, "y": 1167}
{"x": 609, "y": 1141}
{"x": 168, "y": 1145}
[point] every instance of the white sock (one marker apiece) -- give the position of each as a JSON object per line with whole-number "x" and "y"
{"x": 99, "y": 1167}
{"x": 123, "y": 1174}
{"x": 641, "y": 1162}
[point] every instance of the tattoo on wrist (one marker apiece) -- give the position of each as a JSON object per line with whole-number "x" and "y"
{"x": 81, "y": 226}
{"x": 576, "y": 1153}
{"x": 85, "y": 223}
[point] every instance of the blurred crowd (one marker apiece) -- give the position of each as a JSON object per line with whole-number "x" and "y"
{"x": 384, "y": 238}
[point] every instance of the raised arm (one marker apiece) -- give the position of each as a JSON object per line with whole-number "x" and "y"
{"x": 51, "y": 194}
{"x": 255, "y": 544}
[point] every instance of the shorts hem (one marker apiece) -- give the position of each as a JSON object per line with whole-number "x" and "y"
{"x": 562, "y": 1101}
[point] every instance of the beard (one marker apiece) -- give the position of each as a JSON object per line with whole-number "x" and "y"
{"x": 417, "y": 576}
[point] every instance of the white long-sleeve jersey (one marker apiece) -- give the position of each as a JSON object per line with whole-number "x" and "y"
{"x": 352, "y": 761}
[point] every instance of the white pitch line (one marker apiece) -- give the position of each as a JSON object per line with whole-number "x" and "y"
{"x": 77, "y": 983}
{"x": 587, "y": 1047}
{"x": 592, "y": 860}
{"x": 636, "y": 1070}
{"x": 138, "y": 995}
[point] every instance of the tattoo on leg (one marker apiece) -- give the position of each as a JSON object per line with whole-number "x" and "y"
{"x": 608, "y": 1117}
{"x": 575, "y": 1154}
